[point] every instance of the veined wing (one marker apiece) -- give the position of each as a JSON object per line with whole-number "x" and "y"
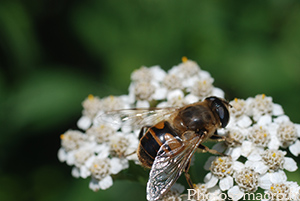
{"x": 136, "y": 117}
{"x": 168, "y": 165}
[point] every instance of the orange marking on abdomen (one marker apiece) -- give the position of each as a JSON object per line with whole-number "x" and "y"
{"x": 160, "y": 125}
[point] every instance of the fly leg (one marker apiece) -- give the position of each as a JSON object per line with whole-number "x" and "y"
{"x": 187, "y": 175}
{"x": 204, "y": 148}
{"x": 227, "y": 139}
{"x": 217, "y": 137}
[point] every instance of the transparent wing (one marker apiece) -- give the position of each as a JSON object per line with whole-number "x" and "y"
{"x": 136, "y": 117}
{"x": 168, "y": 165}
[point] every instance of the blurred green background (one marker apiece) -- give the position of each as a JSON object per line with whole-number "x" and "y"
{"x": 53, "y": 53}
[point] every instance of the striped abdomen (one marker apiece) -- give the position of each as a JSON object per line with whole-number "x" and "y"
{"x": 153, "y": 139}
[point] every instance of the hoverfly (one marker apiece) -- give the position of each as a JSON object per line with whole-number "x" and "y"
{"x": 168, "y": 144}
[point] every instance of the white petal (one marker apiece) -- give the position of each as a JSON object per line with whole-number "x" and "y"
{"x": 235, "y": 153}
{"x": 204, "y": 74}
{"x": 218, "y": 92}
{"x": 237, "y": 165}
{"x": 116, "y": 165}
{"x": 160, "y": 93}
{"x": 94, "y": 184}
{"x": 244, "y": 122}
{"x": 71, "y": 158}
{"x": 277, "y": 110}
{"x": 247, "y": 148}
{"x": 75, "y": 172}
{"x": 142, "y": 104}
{"x": 235, "y": 193}
{"x": 226, "y": 183}
{"x": 158, "y": 73}
{"x": 289, "y": 164}
{"x": 282, "y": 118}
{"x": 210, "y": 180}
{"x": 278, "y": 177}
{"x": 261, "y": 168}
{"x": 162, "y": 104}
{"x": 274, "y": 143}
{"x": 102, "y": 150}
{"x": 264, "y": 120}
{"x": 189, "y": 82}
{"x": 84, "y": 172}
{"x": 175, "y": 94}
{"x": 62, "y": 155}
{"x": 88, "y": 163}
{"x": 254, "y": 156}
{"x": 264, "y": 181}
{"x": 126, "y": 128}
{"x": 258, "y": 166}
{"x": 84, "y": 122}
{"x": 106, "y": 182}
{"x": 190, "y": 98}
{"x": 295, "y": 148}
{"x": 298, "y": 129}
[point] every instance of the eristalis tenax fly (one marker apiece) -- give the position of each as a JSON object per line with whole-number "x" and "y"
{"x": 167, "y": 145}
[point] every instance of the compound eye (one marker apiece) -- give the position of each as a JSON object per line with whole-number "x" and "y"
{"x": 221, "y": 110}
{"x": 223, "y": 115}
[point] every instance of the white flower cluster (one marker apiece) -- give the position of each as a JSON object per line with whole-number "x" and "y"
{"x": 256, "y": 136}
{"x": 102, "y": 149}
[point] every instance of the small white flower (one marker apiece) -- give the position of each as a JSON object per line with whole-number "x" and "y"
{"x": 186, "y": 69}
{"x": 144, "y": 90}
{"x": 120, "y": 143}
{"x": 91, "y": 106}
{"x": 111, "y": 103}
{"x": 101, "y": 133}
{"x": 238, "y": 108}
{"x": 142, "y": 74}
{"x": 202, "y": 88}
{"x": 273, "y": 158}
{"x": 261, "y": 105}
{"x": 146, "y": 74}
{"x": 72, "y": 140}
{"x": 280, "y": 191}
{"x": 83, "y": 155}
{"x": 287, "y": 134}
{"x": 259, "y": 135}
{"x": 102, "y": 168}
{"x": 221, "y": 169}
{"x": 246, "y": 180}
{"x": 172, "y": 81}
{"x": 234, "y": 137}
